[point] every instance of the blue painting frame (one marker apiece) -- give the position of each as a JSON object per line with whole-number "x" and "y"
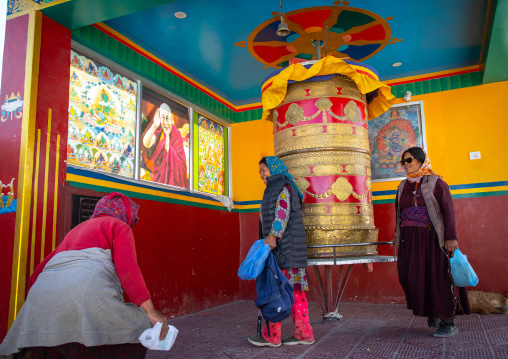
{"x": 399, "y": 128}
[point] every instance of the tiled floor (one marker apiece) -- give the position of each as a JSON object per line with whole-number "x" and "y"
{"x": 367, "y": 330}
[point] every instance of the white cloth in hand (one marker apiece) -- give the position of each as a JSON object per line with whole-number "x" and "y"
{"x": 150, "y": 337}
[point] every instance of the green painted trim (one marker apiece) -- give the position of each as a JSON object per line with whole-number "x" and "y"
{"x": 249, "y": 210}
{"x": 250, "y": 115}
{"x": 162, "y": 199}
{"x": 455, "y": 196}
{"x": 149, "y": 196}
{"x": 438, "y": 85}
{"x": 480, "y": 194}
{"x": 496, "y": 53}
{"x": 383, "y": 201}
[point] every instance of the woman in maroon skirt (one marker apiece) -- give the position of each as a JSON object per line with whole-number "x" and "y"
{"x": 427, "y": 237}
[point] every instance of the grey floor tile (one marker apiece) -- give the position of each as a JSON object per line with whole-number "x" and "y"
{"x": 367, "y": 331}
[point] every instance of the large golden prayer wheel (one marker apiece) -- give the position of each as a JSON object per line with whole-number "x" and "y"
{"x": 321, "y": 135}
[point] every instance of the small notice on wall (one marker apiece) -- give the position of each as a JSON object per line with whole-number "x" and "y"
{"x": 82, "y": 208}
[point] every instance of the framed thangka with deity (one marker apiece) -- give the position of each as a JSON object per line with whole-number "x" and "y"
{"x": 102, "y": 117}
{"x": 210, "y": 148}
{"x": 399, "y": 128}
{"x": 164, "y": 140}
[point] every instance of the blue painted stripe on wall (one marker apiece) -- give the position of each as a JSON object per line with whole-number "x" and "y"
{"x": 244, "y": 203}
{"x": 479, "y": 185}
{"x": 452, "y": 187}
{"x": 104, "y": 177}
{"x": 384, "y": 193}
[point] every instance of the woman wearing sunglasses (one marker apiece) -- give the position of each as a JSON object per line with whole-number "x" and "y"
{"x": 427, "y": 237}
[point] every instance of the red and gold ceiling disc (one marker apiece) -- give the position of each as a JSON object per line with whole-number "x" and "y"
{"x": 346, "y": 32}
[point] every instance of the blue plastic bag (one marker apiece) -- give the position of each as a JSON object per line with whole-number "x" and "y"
{"x": 462, "y": 273}
{"x": 254, "y": 263}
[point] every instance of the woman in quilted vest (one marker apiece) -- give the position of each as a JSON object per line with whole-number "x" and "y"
{"x": 427, "y": 237}
{"x": 283, "y": 230}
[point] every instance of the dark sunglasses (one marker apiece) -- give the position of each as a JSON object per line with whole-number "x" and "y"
{"x": 408, "y": 160}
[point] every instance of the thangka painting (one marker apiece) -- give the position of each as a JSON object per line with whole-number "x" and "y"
{"x": 102, "y": 117}
{"x": 212, "y": 139}
{"x": 390, "y": 134}
{"x": 164, "y": 145}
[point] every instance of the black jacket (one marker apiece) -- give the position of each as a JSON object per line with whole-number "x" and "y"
{"x": 291, "y": 250}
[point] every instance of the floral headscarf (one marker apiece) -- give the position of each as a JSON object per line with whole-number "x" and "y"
{"x": 117, "y": 205}
{"x": 425, "y": 170}
{"x": 277, "y": 167}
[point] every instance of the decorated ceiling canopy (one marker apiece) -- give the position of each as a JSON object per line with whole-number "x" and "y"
{"x": 347, "y": 33}
{"x": 227, "y": 47}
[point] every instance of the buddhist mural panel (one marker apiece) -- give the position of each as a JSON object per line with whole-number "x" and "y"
{"x": 212, "y": 162}
{"x": 102, "y": 117}
{"x": 400, "y": 128}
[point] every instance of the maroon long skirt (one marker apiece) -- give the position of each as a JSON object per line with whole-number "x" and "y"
{"x": 424, "y": 274}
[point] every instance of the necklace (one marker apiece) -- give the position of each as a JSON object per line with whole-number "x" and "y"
{"x": 415, "y": 202}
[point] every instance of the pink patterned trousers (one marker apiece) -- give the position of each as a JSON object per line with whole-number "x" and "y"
{"x": 300, "y": 316}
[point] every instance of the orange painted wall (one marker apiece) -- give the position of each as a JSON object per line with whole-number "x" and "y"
{"x": 250, "y": 141}
{"x": 462, "y": 121}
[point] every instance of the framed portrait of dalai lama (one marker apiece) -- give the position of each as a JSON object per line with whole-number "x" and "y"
{"x": 164, "y": 140}
{"x": 399, "y": 128}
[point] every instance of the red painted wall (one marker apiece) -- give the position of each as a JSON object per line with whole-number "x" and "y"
{"x": 249, "y": 233}
{"x": 188, "y": 255}
{"x": 483, "y": 233}
{"x": 53, "y": 93}
{"x": 13, "y": 77}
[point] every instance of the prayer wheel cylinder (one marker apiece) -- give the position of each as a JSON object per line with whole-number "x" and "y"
{"x": 321, "y": 135}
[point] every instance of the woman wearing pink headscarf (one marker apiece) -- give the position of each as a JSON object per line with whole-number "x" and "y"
{"x": 75, "y": 306}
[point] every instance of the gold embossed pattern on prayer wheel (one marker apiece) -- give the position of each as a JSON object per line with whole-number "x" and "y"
{"x": 321, "y": 135}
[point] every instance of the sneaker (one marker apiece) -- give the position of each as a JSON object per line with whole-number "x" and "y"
{"x": 445, "y": 330}
{"x": 433, "y": 323}
{"x": 259, "y": 341}
{"x": 294, "y": 341}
